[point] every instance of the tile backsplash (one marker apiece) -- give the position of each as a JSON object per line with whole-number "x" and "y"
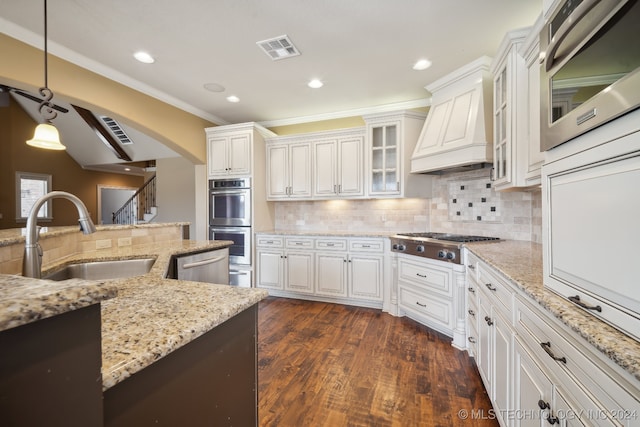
{"x": 463, "y": 203}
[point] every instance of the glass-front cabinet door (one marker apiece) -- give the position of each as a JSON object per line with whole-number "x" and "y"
{"x": 385, "y": 173}
{"x": 501, "y": 138}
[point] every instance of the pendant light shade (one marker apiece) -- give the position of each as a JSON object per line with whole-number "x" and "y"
{"x": 46, "y": 136}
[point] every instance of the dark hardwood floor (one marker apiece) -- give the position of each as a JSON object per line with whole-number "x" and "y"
{"x": 333, "y": 365}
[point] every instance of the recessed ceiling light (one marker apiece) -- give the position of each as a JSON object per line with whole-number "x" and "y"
{"x": 214, "y": 87}
{"x": 315, "y": 84}
{"x": 233, "y": 98}
{"x": 422, "y": 64}
{"x": 144, "y": 57}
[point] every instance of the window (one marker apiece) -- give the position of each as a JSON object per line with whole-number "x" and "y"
{"x": 29, "y": 188}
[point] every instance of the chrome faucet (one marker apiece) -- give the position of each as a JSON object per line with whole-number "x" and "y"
{"x": 32, "y": 261}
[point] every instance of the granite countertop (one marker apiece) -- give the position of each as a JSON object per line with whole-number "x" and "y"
{"x": 332, "y": 233}
{"x": 12, "y": 236}
{"x": 144, "y": 317}
{"x": 521, "y": 263}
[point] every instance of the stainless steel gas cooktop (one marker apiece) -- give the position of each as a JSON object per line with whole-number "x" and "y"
{"x": 440, "y": 246}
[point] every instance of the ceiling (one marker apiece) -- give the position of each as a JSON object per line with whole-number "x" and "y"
{"x": 363, "y": 50}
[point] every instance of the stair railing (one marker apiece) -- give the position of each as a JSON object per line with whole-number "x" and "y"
{"x": 139, "y": 204}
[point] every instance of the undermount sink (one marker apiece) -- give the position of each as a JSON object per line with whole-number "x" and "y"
{"x": 103, "y": 270}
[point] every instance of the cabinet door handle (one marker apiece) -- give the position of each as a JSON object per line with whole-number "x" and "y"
{"x": 424, "y": 276}
{"x": 473, "y": 291}
{"x": 546, "y": 346}
{"x": 552, "y": 420}
{"x": 543, "y": 405}
{"x": 421, "y": 305}
{"x": 471, "y": 266}
{"x": 576, "y": 300}
{"x": 488, "y": 320}
{"x": 472, "y": 340}
{"x": 472, "y": 313}
{"x": 491, "y": 287}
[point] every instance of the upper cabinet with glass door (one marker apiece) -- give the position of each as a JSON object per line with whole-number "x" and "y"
{"x": 517, "y": 159}
{"x": 391, "y": 138}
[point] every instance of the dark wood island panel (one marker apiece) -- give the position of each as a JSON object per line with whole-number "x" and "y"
{"x": 50, "y": 371}
{"x": 210, "y": 381}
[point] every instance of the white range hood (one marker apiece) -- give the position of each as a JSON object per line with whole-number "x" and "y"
{"x": 458, "y": 131}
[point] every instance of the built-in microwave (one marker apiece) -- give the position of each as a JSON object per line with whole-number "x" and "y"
{"x": 590, "y": 67}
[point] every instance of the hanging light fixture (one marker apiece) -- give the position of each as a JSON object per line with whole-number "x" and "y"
{"x": 46, "y": 135}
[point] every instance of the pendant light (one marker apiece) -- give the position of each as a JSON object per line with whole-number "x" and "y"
{"x": 46, "y": 135}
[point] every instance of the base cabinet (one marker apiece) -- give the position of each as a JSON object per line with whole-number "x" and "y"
{"x": 326, "y": 268}
{"x": 536, "y": 370}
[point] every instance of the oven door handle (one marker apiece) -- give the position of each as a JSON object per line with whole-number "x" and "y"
{"x": 203, "y": 262}
{"x": 564, "y": 30}
{"x": 225, "y": 193}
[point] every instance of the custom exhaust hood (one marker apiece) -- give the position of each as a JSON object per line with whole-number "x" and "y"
{"x": 458, "y": 132}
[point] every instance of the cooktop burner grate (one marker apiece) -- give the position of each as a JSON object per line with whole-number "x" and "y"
{"x": 461, "y": 238}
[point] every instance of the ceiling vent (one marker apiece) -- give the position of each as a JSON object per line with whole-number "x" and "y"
{"x": 116, "y": 130}
{"x": 278, "y": 48}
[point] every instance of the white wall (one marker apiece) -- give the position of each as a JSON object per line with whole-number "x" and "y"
{"x": 176, "y": 192}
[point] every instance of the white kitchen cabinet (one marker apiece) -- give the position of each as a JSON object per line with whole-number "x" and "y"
{"x": 289, "y": 171}
{"x": 229, "y": 155}
{"x": 230, "y": 149}
{"x": 326, "y": 268}
{"x": 331, "y": 274}
{"x": 270, "y": 268}
{"x": 535, "y": 369}
{"x": 493, "y": 350}
{"x": 391, "y": 139}
{"x": 426, "y": 292}
{"x": 517, "y": 159}
{"x": 284, "y": 268}
{"x": 338, "y": 167}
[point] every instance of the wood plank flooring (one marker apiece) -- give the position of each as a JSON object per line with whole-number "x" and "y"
{"x": 333, "y": 365}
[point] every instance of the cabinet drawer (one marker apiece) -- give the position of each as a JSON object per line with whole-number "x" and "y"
{"x": 497, "y": 290}
{"x": 269, "y": 241}
{"x": 366, "y": 245}
{"x": 428, "y": 307}
{"x": 575, "y": 366}
{"x": 428, "y": 277}
{"x": 331, "y": 244}
{"x": 298, "y": 243}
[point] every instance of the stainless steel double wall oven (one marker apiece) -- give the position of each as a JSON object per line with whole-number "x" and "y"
{"x": 230, "y": 219}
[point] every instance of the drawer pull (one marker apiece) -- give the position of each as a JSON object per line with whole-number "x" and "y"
{"x": 488, "y": 320}
{"x": 576, "y": 300}
{"x": 472, "y": 340}
{"x": 471, "y": 266}
{"x": 473, "y": 291}
{"x": 472, "y": 313}
{"x": 491, "y": 287}
{"x": 424, "y": 276}
{"x": 365, "y": 246}
{"x": 421, "y": 305}
{"x": 298, "y": 243}
{"x": 543, "y": 405}
{"x": 546, "y": 346}
{"x": 269, "y": 242}
{"x": 330, "y": 244}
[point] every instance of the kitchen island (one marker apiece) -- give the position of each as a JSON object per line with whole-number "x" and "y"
{"x": 157, "y": 341}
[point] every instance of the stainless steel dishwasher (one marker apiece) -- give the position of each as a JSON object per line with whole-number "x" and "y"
{"x": 209, "y": 266}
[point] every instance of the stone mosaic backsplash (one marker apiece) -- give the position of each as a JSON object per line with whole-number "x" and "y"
{"x": 474, "y": 200}
{"x": 514, "y": 215}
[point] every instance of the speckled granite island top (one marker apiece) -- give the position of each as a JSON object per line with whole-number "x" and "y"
{"x": 521, "y": 262}
{"x": 151, "y": 316}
